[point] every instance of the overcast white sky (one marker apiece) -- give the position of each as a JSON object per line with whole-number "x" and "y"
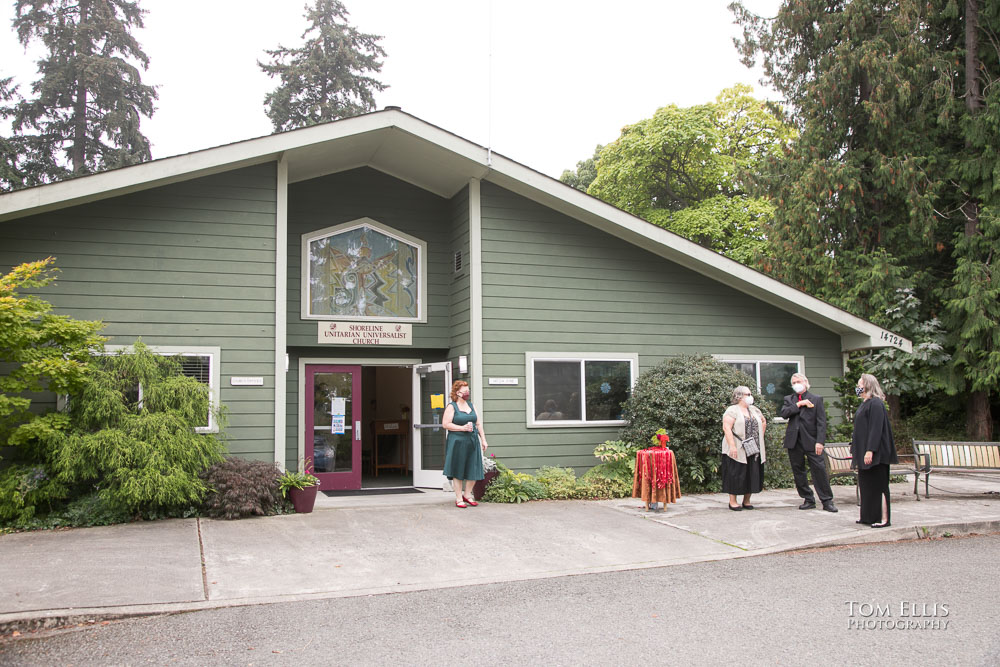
{"x": 566, "y": 74}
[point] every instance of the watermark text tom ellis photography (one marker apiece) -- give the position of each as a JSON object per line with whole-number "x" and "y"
{"x": 902, "y": 615}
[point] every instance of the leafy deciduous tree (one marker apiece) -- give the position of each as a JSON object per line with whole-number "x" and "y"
{"x": 684, "y": 170}
{"x": 39, "y": 351}
{"x": 585, "y": 172}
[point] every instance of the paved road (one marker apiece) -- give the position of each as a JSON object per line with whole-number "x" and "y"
{"x": 786, "y": 609}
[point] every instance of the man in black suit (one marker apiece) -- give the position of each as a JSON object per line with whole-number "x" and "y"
{"x": 804, "y": 439}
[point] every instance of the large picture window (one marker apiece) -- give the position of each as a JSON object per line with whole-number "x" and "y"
{"x": 772, "y": 376}
{"x": 578, "y": 390}
{"x": 363, "y": 270}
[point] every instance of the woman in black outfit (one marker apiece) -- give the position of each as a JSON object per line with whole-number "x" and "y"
{"x": 872, "y": 450}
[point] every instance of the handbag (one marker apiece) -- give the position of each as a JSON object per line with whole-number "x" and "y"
{"x": 750, "y": 446}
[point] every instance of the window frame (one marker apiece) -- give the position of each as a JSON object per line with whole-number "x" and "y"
{"x": 214, "y": 372}
{"x": 305, "y": 302}
{"x": 757, "y": 359}
{"x": 529, "y": 362}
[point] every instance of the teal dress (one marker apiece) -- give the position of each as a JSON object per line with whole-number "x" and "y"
{"x": 463, "y": 457}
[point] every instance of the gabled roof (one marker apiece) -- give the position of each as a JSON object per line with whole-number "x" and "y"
{"x": 415, "y": 151}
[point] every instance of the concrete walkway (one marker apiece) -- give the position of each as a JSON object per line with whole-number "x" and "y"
{"x": 367, "y": 545}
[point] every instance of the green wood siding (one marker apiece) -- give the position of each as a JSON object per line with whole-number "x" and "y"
{"x": 551, "y": 283}
{"x": 460, "y": 304}
{"x": 366, "y": 193}
{"x": 185, "y": 264}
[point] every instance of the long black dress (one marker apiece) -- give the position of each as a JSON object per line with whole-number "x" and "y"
{"x": 740, "y": 479}
{"x": 873, "y": 433}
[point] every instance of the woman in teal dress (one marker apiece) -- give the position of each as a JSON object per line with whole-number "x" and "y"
{"x": 463, "y": 459}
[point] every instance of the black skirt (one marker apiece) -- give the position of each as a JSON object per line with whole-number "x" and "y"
{"x": 740, "y": 479}
{"x": 873, "y": 486}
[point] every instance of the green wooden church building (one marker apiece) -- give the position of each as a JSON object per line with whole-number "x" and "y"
{"x": 329, "y": 284}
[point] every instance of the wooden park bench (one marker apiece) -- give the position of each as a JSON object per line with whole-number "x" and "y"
{"x": 960, "y": 458}
{"x": 838, "y": 464}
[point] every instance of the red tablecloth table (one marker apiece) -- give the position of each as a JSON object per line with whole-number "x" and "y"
{"x": 656, "y": 479}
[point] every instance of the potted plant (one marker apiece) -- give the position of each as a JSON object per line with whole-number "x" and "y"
{"x": 489, "y": 473}
{"x": 300, "y": 487}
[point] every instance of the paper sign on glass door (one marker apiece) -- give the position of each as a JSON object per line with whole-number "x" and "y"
{"x": 337, "y": 424}
{"x": 338, "y": 406}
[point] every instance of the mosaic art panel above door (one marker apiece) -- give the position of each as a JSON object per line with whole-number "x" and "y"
{"x": 363, "y": 271}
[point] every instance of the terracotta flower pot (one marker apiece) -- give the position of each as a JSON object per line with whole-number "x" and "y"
{"x": 303, "y": 500}
{"x": 480, "y": 488}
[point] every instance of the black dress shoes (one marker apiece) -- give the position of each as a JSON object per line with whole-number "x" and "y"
{"x": 807, "y": 506}
{"x": 828, "y": 506}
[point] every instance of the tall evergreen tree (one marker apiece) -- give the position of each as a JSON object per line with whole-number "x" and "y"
{"x": 85, "y": 108}
{"x": 891, "y": 179}
{"x": 972, "y": 299}
{"x": 11, "y": 149}
{"x": 328, "y": 77}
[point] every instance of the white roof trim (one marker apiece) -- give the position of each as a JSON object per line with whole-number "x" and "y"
{"x": 855, "y": 332}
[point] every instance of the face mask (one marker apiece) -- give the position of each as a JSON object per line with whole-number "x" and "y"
{"x": 858, "y": 391}
{"x": 798, "y": 387}
{"x": 465, "y": 395}
{"x": 749, "y": 400}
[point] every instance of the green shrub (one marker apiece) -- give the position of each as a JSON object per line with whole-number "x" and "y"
{"x": 27, "y": 490}
{"x": 559, "y": 483}
{"x": 687, "y": 396}
{"x": 91, "y": 510}
{"x": 240, "y": 488}
{"x": 607, "y": 480}
{"x": 778, "y": 469}
{"x": 513, "y": 487}
{"x": 140, "y": 451}
{"x": 619, "y": 453}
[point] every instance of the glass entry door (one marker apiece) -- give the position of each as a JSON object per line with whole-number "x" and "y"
{"x": 431, "y": 386}
{"x": 333, "y": 425}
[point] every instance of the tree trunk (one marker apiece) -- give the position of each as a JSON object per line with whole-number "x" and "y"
{"x": 973, "y": 97}
{"x": 894, "y": 410}
{"x": 978, "y": 419}
{"x": 78, "y": 154}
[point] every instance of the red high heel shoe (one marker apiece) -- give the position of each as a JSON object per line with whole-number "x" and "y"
{"x": 459, "y": 503}
{"x": 470, "y": 501}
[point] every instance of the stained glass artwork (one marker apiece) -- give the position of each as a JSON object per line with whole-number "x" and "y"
{"x": 362, "y": 272}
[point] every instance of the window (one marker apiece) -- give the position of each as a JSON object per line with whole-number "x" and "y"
{"x": 363, "y": 270}
{"x": 200, "y": 363}
{"x": 773, "y": 376}
{"x": 578, "y": 389}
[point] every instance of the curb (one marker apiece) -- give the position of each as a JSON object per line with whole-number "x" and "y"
{"x": 50, "y": 619}
{"x": 911, "y": 533}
